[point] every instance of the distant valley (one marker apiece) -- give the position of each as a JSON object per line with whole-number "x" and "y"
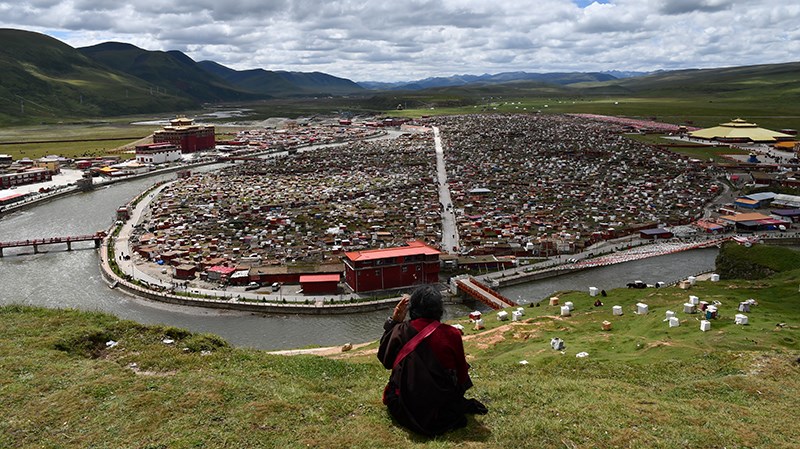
{"x": 47, "y": 81}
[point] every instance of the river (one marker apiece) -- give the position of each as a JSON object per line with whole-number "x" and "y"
{"x": 61, "y": 279}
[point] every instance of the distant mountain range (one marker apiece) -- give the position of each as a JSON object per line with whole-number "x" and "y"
{"x": 43, "y": 77}
{"x": 562, "y": 79}
{"x": 45, "y": 80}
{"x": 208, "y": 81}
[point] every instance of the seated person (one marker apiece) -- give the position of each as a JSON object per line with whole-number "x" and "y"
{"x": 426, "y": 389}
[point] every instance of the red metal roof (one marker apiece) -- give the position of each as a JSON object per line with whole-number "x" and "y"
{"x": 9, "y": 197}
{"x": 414, "y": 248}
{"x": 308, "y": 278}
{"x": 708, "y": 225}
{"x": 222, "y": 270}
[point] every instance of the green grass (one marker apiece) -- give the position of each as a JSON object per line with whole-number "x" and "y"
{"x": 702, "y": 152}
{"x": 642, "y": 385}
{"x": 776, "y": 259}
{"x": 680, "y": 110}
{"x": 756, "y": 262}
{"x": 90, "y": 139}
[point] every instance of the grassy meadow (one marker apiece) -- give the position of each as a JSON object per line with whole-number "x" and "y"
{"x": 117, "y": 138}
{"x": 699, "y": 112}
{"x": 643, "y": 384}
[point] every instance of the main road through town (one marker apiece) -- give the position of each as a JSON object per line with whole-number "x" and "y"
{"x": 449, "y": 228}
{"x": 71, "y": 279}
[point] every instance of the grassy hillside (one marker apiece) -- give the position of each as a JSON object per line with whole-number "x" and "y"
{"x": 170, "y": 71}
{"x": 766, "y": 94}
{"x": 282, "y": 83}
{"x": 45, "y": 80}
{"x": 643, "y": 384}
{"x": 756, "y": 262}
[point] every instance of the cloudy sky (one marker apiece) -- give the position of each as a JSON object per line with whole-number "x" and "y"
{"x": 405, "y": 40}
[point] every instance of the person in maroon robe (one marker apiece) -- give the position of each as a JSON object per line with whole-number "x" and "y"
{"x": 426, "y": 389}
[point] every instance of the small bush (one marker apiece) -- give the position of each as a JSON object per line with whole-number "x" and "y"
{"x": 175, "y": 333}
{"x": 205, "y": 342}
{"x": 86, "y": 344}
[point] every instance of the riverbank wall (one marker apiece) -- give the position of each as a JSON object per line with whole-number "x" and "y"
{"x": 36, "y": 201}
{"x": 522, "y": 278}
{"x": 74, "y": 189}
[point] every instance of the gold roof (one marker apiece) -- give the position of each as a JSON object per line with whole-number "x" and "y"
{"x": 739, "y": 129}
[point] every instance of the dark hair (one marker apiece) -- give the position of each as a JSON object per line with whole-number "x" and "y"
{"x": 426, "y": 302}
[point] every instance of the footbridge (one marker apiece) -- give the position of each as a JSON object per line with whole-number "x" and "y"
{"x": 97, "y": 238}
{"x": 481, "y": 292}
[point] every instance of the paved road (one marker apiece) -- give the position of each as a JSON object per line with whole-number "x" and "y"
{"x": 450, "y": 242}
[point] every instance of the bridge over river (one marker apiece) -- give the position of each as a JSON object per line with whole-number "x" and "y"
{"x": 97, "y": 238}
{"x": 483, "y": 293}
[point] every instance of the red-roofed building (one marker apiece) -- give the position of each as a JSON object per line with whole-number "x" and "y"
{"x": 319, "y": 284}
{"x": 182, "y": 132}
{"x": 220, "y": 273}
{"x": 11, "y": 198}
{"x": 752, "y": 222}
{"x": 656, "y": 233}
{"x": 710, "y": 227}
{"x": 383, "y": 269}
{"x": 27, "y": 176}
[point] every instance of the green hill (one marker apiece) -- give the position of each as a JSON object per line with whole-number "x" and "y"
{"x": 171, "y": 71}
{"x": 763, "y": 81}
{"x": 756, "y": 262}
{"x": 256, "y": 80}
{"x": 78, "y": 379}
{"x": 46, "y": 80}
{"x": 282, "y": 83}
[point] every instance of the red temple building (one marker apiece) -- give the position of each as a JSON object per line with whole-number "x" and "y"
{"x": 383, "y": 269}
{"x": 182, "y": 132}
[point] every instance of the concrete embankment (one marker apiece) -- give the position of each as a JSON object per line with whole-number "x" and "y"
{"x": 42, "y": 199}
{"x": 521, "y": 278}
{"x": 73, "y": 190}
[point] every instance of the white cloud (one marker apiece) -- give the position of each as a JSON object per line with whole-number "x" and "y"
{"x": 413, "y": 39}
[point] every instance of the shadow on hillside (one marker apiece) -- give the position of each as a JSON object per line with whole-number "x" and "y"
{"x": 475, "y": 431}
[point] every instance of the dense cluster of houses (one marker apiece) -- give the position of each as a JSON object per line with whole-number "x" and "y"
{"x": 525, "y": 185}
{"x": 280, "y": 218}
{"x": 544, "y": 184}
{"x": 292, "y": 134}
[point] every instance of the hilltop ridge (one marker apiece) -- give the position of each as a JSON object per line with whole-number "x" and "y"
{"x": 47, "y": 81}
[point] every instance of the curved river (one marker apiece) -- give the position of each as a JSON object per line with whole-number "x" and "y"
{"x": 61, "y": 279}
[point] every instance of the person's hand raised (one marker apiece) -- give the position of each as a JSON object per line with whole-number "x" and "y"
{"x": 400, "y": 309}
